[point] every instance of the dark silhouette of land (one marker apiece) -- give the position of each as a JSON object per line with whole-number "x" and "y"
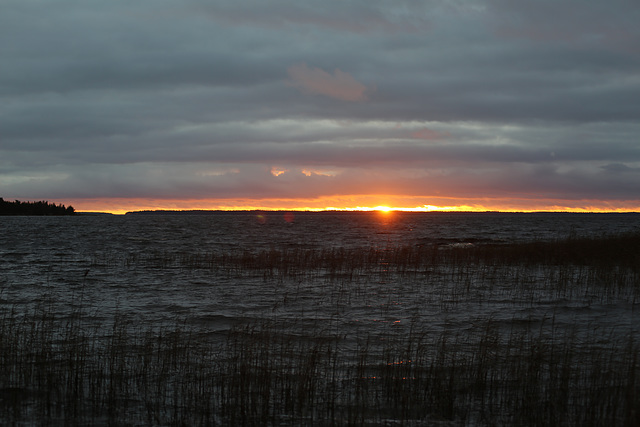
{"x": 40, "y": 208}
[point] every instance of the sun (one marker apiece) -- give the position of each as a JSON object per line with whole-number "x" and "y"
{"x": 384, "y": 209}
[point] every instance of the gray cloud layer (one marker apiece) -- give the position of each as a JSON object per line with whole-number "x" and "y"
{"x": 202, "y": 99}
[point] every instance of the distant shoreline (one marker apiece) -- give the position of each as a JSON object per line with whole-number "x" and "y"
{"x": 347, "y": 212}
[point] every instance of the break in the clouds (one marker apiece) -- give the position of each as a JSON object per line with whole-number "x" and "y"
{"x": 254, "y": 103}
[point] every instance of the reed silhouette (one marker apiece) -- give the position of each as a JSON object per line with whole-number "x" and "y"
{"x": 71, "y": 369}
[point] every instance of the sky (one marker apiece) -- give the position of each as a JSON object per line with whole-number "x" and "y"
{"x": 291, "y": 104}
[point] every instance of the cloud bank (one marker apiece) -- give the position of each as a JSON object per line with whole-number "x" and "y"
{"x": 252, "y": 103}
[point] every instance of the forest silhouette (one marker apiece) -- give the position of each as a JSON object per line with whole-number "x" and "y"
{"x": 39, "y": 208}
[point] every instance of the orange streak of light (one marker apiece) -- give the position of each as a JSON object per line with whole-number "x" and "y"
{"x": 382, "y": 203}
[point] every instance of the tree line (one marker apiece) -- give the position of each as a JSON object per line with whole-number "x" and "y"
{"x": 34, "y": 208}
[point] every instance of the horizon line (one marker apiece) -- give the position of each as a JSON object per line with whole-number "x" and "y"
{"x": 360, "y": 210}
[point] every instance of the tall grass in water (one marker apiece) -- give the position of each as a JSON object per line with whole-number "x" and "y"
{"x": 72, "y": 369}
{"x": 267, "y": 374}
{"x": 621, "y": 251}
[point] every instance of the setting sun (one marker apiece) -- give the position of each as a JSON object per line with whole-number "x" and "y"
{"x": 385, "y": 209}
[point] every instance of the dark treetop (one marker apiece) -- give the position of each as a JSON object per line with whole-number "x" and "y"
{"x": 33, "y": 208}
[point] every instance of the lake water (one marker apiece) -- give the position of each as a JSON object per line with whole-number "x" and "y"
{"x": 157, "y": 270}
{"x": 107, "y": 261}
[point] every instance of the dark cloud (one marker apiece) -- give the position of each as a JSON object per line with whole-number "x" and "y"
{"x": 200, "y": 99}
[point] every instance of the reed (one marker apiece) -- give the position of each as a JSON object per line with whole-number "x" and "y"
{"x": 606, "y": 252}
{"x": 64, "y": 363}
{"x": 266, "y": 373}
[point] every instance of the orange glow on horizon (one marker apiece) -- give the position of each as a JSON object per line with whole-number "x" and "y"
{"x": 355, "y": 203}
{"x": 384, "y": 209}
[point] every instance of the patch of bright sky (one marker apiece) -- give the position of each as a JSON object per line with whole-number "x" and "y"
{"x": 278, "y": 171}
{"x": 309, "y": 172}
{"x": 359, "y": 133}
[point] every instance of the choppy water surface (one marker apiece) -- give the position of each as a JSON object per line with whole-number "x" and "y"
{"x": 220, "y": 272}
{"x": 127, "y": 264}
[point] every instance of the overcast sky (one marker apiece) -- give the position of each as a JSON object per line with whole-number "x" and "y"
{"x": 118, "y": 105}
